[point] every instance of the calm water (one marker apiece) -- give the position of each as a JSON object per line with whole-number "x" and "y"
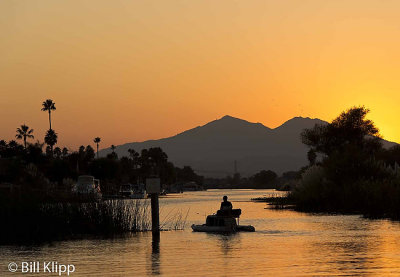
{"x": 285, "y": 243}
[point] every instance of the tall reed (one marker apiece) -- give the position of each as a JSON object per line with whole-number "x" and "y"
{"x": 28, "y": 219}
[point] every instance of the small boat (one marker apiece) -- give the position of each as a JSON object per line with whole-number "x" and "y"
{"x": 223, "y": 222}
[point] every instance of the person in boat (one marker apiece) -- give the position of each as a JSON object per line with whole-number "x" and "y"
{"x": 226, "y": 206}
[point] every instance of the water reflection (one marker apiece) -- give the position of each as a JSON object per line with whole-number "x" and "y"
{"x": 228, "y": 242}
{"x": 155, "y": 256}
{"x": 286, "y": 243}
{"x": 346, "y": 247}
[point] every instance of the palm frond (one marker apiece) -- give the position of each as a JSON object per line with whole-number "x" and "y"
{"x": 48, "y": 105}
{"x": 24, "y": 132}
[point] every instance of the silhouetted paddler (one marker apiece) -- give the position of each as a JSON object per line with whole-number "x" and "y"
{"x": 226, "y": 205}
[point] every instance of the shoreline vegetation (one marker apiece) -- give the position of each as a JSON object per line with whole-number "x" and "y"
{"x": 349, "y": 171}
{"x": 30, "y": 219}
{"x": 37, "y": 180}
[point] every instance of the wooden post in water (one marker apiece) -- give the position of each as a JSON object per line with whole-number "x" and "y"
{"x": 153, "y": 188}
{"x": 155, "y": 215}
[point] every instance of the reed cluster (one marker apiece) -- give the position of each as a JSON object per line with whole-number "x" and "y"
{"x": 25, "y": 219}
{"x": 174, "y": 220}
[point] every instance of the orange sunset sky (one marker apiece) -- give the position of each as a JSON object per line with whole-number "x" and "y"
{"x": 135, "y": 70}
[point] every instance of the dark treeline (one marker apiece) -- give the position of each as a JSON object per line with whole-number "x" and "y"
{"x": 47, "y": 167}
{"x": 349, "y": 170}
{"x": 32, "y": 168}
{"x": 265, "y": 179}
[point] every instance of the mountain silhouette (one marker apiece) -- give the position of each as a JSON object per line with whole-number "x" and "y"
{"x": 212, "y": 149}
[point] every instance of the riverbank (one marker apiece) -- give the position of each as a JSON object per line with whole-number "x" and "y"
{"x": 368, "y": 200}
{"x": 27, "y": 219}
{"x": 30, "y": 218}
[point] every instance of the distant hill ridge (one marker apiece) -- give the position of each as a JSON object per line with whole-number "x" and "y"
{"x": 211, "y": 149}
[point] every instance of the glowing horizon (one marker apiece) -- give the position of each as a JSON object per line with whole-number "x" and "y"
{"x": 132, "y": 71}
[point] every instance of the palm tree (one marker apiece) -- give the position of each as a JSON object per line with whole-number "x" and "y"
{"x": 97, "y": 141}
{"x": 51, "y": 139}
{"x": 24, "y": 132}
{"x": 134, "y": 156}
{"x": 49, "y": 106}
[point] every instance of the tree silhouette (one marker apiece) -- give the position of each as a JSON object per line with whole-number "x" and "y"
{"x": 24, "y": 132}
{"x": 48, "y": 151}
{"x": 57, "y": 152}
{"x": 347, "y": 146}
{"x": 11, "y": 149}
{"x": 97, "y": 141}
{"x": 89, "y": 153}
{"x": 13, "y": 144}
{"x": 49, "y": 106}
{"x": 65, "y": 152}
{"x": 3, "y": 146}
{"x": 134, "y": 156}
{"x": 51, "y": 139}
{"x": 349, "y": 128}
{"x": 153, "y": 161}
{"x": 81, "y": 151}
{"x": 113, "y": 155}
{"x": 264, "y": 177}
